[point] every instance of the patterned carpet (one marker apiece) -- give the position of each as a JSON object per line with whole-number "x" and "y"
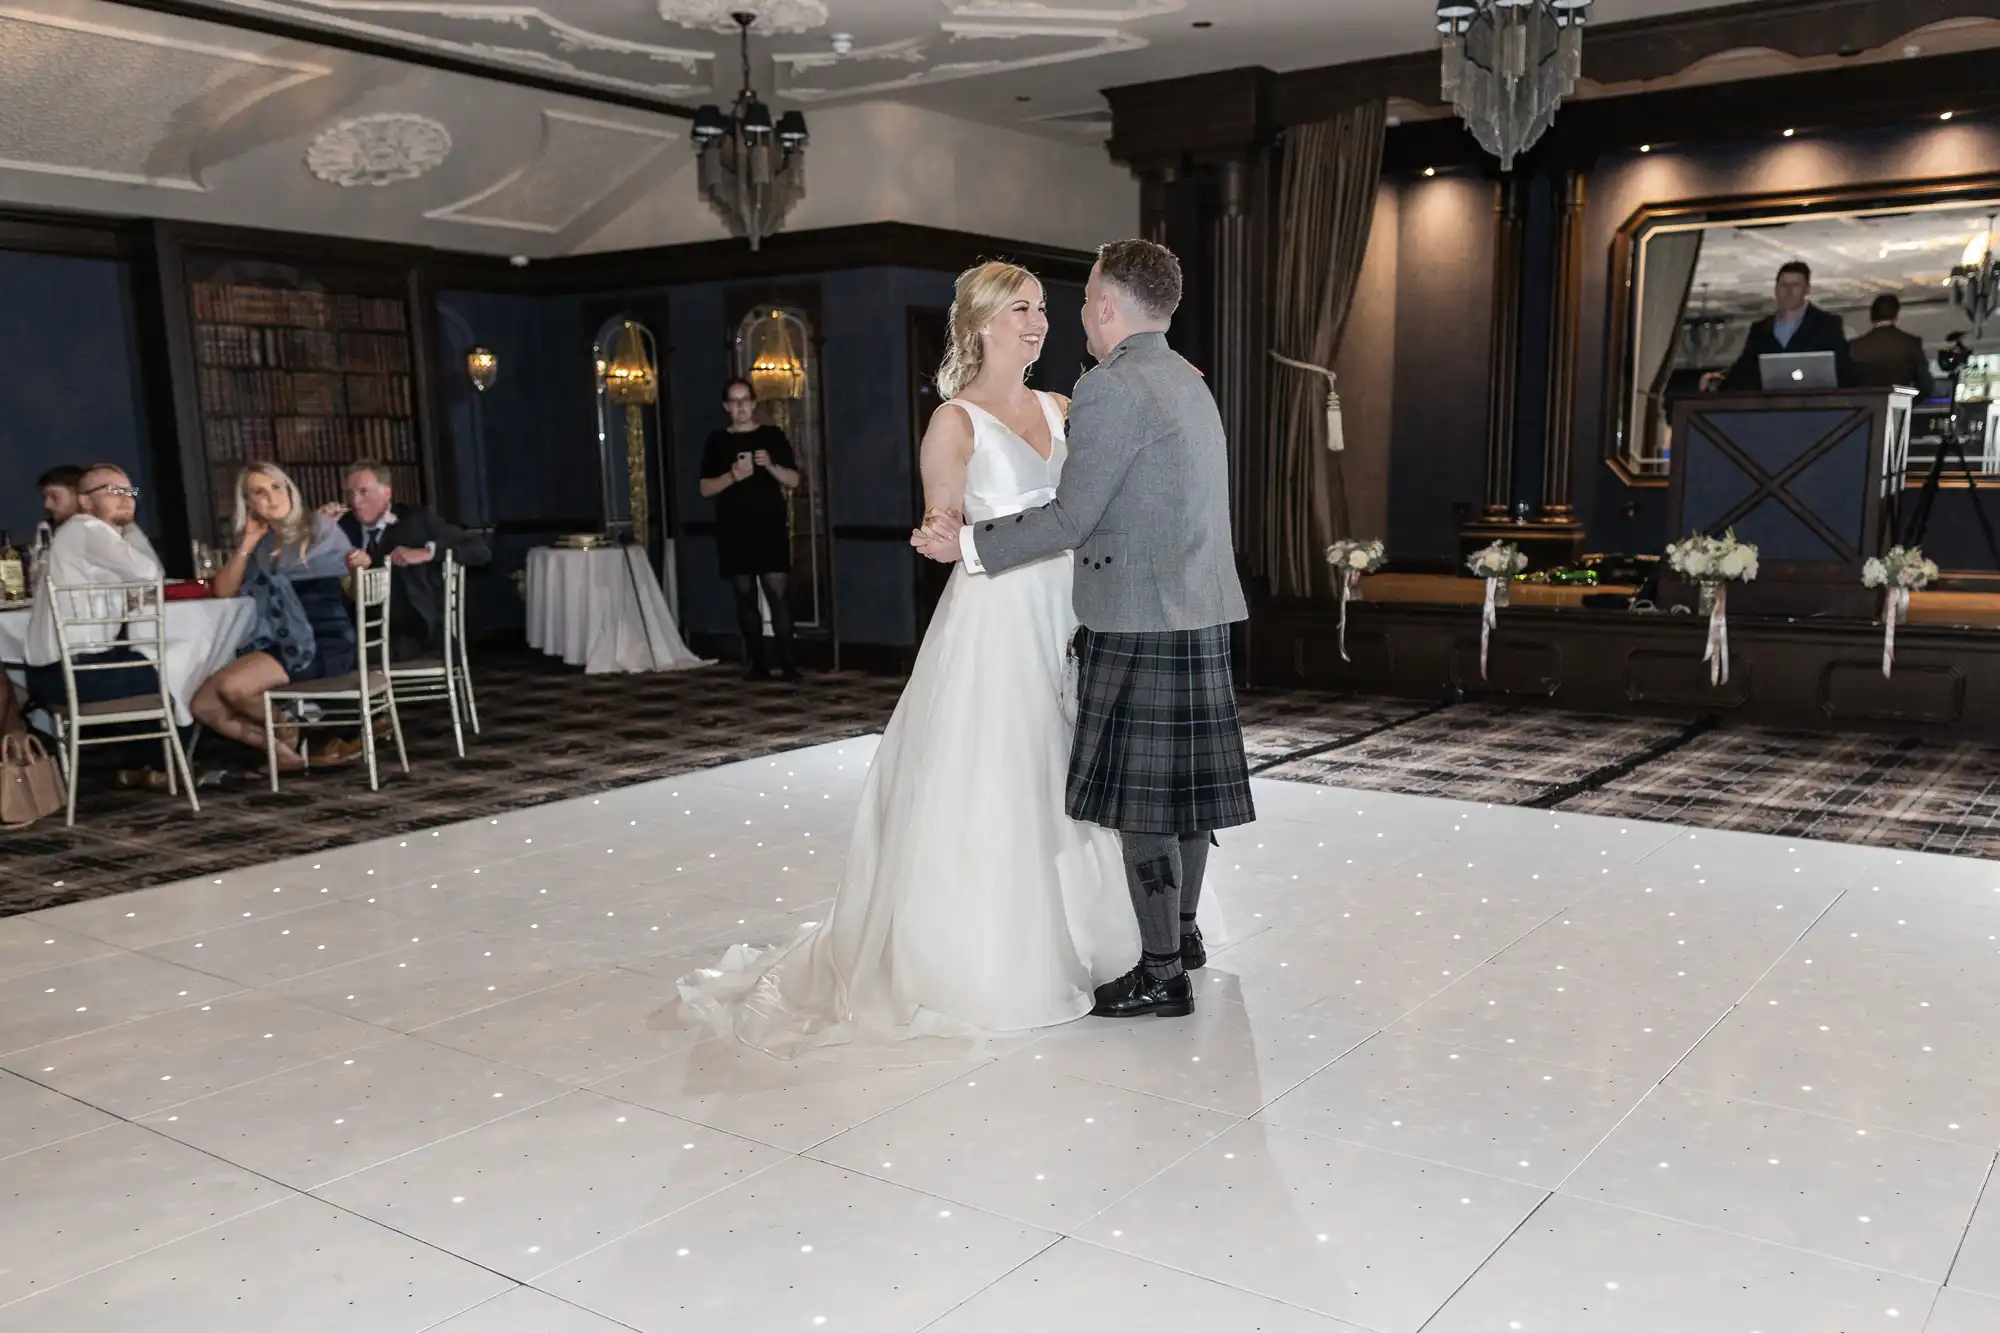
{"x": 551, "y": 733}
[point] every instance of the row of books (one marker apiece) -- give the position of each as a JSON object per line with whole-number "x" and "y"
{"x": 288, "y": 440}
{"x": 302, "y": 393}
{"x": 301, "y": 349}
{"x": 245, "y": 303}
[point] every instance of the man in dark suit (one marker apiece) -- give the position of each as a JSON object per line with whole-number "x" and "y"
{"x": 1797, "y": 326}
{"x": 414, "y": 541}
{"x": 1885, "y": 356}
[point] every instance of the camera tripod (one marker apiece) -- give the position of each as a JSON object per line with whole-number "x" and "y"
{"x": 1950, "y": 449}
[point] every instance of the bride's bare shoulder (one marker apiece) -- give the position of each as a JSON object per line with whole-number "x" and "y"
{"x": 951, "y": 425}
{"x": 1062, "y": 402}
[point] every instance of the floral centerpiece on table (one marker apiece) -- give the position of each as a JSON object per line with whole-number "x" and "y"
{"x": 1712, "y": 564}
{"x": 1898, "y": 572}
{"x": 1497, "y": 564}
{"x": 1351, "y": 558}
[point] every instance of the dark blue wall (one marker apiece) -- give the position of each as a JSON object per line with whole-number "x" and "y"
{"x": 69, "y": 379}
{"x": 536, "y": 431}
{"x": 533, "y": 435}
{"x": 870, "y": 461}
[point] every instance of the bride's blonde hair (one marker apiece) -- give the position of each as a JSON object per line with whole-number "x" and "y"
{"x": 981, "y": 293}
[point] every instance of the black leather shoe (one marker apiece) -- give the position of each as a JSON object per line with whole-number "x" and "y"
{"x": 1136, "y": 993}
{"x": 1194, "y": 954}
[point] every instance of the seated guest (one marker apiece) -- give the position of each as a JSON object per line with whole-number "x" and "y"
{"x": 98, "y": 544}
{"x": 1797, "y": 326}
{"x": 413, "y": 540}
{"x": 59, "y": 486}
{"x": 291, "y": 561}
{"x": 59, "y": 503}
{"x": 1886, "y": 357}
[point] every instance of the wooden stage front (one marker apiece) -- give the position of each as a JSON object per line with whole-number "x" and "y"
{"x": 1417, "y": 636}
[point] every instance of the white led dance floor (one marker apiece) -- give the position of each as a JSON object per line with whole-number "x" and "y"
{"x": 1455, "y": 1069}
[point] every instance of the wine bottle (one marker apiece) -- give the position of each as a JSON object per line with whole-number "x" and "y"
{"x": 13, "y": 571}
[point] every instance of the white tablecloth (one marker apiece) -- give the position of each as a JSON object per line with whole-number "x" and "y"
{"x": 201, "y": 639}
{"x": 602, "y": 610}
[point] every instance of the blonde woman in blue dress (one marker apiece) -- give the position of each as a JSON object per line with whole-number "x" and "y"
{"x": 970, "y": 905}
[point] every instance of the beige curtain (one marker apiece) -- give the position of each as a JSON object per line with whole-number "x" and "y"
{"x": 1326, "y": 203}
{"x": 1666, "y": 285}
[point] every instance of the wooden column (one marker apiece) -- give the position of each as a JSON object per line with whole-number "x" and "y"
{"x": 1239, "y": 319}
{"x": 1503, "y": 358}
{"x": 1565, "y": 320}
{"x": 1201, "y": 150}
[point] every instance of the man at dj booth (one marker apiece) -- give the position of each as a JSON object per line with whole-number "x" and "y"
{"x": 1797, "y": 327}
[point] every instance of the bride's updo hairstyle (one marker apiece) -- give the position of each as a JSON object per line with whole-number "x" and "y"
{"x": 981, "y": 293}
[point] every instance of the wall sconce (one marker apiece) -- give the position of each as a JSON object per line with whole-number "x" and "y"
{"x": 482, "y": 367}
{"x": 632, "y": 382}
{"x": 777, "y": 371}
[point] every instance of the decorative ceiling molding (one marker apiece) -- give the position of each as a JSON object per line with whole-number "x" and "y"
{"x": 381, "y": 149}
{"x": 582, "y": 160}
{"x": 773, "y": 16}
{"x": 52, "y": 123}
{"x": 1095, "y": 42}
{"x": 1130, "y": 12}
{"x": 567, "y": 37}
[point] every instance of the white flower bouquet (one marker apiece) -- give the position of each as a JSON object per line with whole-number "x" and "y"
{"x": 1501, "y": 560}
{"x": 1711, "y": 560}
{"x": 1357, "y": 556}
{"x": 1898, "y": 572}
{"x": 1497, "y": 564}
{"x": 1351, "y": 558}
{"x": 1714, "y": 563}
{"x": 1899, "y": 569}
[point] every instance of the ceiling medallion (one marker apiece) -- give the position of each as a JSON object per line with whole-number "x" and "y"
{"x": 381, "y": 149}
{"x": 771, "y": 16}
{"x": 1508, "y": 64}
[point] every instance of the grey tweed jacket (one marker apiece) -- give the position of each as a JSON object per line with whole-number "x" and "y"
{"x": 1144, "y": 500}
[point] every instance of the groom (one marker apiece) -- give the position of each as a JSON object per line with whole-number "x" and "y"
{"x": 1144, "y": 503}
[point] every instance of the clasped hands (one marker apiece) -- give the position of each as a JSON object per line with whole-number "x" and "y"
{"x": 938, "y": 537}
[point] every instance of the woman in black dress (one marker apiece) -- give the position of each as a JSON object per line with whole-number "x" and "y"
{"x": 748, "y": 469}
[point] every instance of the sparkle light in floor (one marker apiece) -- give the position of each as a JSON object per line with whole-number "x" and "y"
{"x": 1455, "y": 1068}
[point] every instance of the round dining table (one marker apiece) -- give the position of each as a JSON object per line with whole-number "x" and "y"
{"x": 603, "y": 609}
{"x": 202, "y": 637}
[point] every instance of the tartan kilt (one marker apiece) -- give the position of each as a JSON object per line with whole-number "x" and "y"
{"x": 1159, "y": 745}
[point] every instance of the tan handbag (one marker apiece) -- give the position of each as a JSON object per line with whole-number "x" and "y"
{"x": 30, "y": 786}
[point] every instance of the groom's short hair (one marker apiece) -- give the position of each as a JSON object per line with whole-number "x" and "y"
{"x": 1146, "y": 272}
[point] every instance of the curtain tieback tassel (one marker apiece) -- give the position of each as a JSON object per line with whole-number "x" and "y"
{"x": 1336, "y": 437}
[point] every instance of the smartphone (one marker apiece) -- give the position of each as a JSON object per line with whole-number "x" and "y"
{"x": 744, "y": 457}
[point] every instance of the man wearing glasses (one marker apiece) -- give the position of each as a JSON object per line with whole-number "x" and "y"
{"x": 101, "y": 544}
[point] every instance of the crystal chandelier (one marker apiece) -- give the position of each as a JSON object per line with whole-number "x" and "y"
{"x": 752, "y": 172}
{"x": 1704, "y": 333}
{"x": 1507, "y": 66}
{"x": 1975, "y": 280}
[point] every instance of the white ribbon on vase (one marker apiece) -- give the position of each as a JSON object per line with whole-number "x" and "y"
{"x": 1336, "y": 435}
{"x": 1348, "y": 580}
{"x": 1488, "y": 619}
{"x": 1895, "y": 606}
{"x": 1717, "y": 653}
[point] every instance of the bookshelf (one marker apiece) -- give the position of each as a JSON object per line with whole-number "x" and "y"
{"x": 305, "y": 371}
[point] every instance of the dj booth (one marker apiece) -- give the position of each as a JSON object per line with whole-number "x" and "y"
{"x": 1812, "y": 478}
{"x": 1815, "y": 478}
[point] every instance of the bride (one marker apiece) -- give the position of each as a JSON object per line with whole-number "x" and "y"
{"x": 970, "y": 904}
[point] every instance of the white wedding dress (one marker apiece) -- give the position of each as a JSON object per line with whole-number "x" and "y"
{"x": 971, "y": 905}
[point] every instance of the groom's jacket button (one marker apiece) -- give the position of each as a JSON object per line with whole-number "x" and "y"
{"x": 989, "y": 527}
{"x": 1019, "y": 517}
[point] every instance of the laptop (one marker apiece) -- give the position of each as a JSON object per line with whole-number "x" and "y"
{"x": 1798, "y": 370}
